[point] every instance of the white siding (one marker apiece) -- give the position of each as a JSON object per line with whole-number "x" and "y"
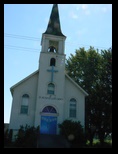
{"x": 29, "y": 87}
{"x": 72, "y": 91}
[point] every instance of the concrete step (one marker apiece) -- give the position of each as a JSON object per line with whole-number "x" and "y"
{"x": 52, "y": 141}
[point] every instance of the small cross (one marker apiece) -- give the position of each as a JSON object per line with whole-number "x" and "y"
{"x": 52, "y": 73}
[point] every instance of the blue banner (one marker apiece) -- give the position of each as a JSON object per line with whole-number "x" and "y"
{"x": 48, "y": 125}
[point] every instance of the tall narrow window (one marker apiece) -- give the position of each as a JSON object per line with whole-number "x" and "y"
{"x": 51, "y": 88}
{"x": 52, "y": 62}
{"x": 72, "y": 112}
{"x": 24, "y": 104}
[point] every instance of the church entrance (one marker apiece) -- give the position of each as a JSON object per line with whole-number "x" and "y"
{"x": 48, "y": 120}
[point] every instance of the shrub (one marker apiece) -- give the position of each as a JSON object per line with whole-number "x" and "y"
{"x": 8, "y": 137}
{"x": 73, "y": 131}
{"x": 27, "y": 137}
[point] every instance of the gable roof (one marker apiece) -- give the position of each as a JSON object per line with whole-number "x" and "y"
{"x": 81, "y": 89}
{"x": 17, "y": 84}
{"x": 37, "y": 71}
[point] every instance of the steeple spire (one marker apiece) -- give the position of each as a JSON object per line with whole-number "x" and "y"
{"x": 54, "y": 27}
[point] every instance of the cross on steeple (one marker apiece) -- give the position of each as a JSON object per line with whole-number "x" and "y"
{"x": 52, "y": 72}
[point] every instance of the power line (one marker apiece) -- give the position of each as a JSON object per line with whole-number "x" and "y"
{"x": 21, "y": 48}
{"x": 22, "y": 37}
{"x": 37, "y": 39}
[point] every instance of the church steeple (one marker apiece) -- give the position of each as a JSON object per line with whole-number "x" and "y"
{"x": 53, "y": 40}
{"x": 54, "y": 27}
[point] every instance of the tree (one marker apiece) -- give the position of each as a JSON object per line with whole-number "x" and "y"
{"x": 104, "y": 89}
{"x": 92, "y": 70}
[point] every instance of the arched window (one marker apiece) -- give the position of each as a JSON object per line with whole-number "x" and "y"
{"x": 52, "y": 62}
{"x": 72, "y": 112}
{"x": 24, "y": 104}
{"x": 49, "y": 109}
{"x": 51, "y": 88}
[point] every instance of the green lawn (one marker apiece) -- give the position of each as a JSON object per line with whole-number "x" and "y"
{"x": 96, "y": 143}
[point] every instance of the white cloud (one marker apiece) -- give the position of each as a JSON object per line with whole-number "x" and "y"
{"x": 81, "y": 7}
{"x": 107, "y": 8}
{"x": 104, "y": 9}
{"x": 81, "y": 32}
{"x": 84, "y": 6}
{"x": 73, "y": 15}
{"x": 76, "y": 6}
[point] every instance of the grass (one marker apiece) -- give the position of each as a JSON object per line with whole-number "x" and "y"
{"x": 96, "y": 143}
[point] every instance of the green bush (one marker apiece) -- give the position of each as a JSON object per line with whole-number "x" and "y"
{"x": 8, "y": 137}
{"x": 27, "y": 137}
{"x": 75, "y": 129}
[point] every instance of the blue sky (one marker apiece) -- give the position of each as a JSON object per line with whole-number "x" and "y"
{"x": 84, "y": 25}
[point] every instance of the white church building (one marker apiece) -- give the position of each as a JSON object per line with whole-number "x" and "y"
{"x": 48, "y": 96}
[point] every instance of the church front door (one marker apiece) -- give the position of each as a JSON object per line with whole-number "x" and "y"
{"x": 48, "y": 125}
{"x": 48, "y": 121}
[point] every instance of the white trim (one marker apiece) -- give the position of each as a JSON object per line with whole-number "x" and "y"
{"x": 48, "y": 114}
{"x": 57, "y": 112}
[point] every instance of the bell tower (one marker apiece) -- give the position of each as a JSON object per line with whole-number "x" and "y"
{"x": 53, "y": 40}
{"x": 51, "y": 81}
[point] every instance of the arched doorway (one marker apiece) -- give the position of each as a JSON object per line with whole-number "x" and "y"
{"x": 48, "y": 120}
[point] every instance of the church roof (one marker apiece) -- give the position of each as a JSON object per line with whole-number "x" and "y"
{"x": 54, "y": 27}
{"x": 81, "y": 89}
{"x": 17, "y": 84}
{"x": 37, "y": 71}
